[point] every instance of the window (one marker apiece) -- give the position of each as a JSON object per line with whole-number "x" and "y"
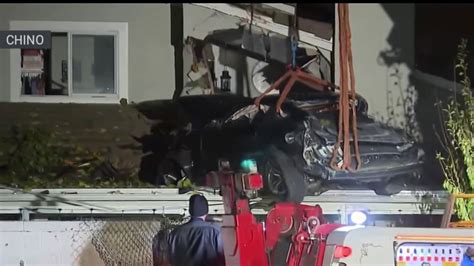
{"x": 87, "y": 63}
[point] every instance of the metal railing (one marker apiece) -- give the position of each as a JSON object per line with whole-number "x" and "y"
{"x": 168, "y": 201}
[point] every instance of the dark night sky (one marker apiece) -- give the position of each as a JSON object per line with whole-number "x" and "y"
{"x": 439, "y": 29}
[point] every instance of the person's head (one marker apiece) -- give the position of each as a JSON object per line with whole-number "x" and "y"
{"x": 198, "y": 206}
{"x": 470, "y": 252}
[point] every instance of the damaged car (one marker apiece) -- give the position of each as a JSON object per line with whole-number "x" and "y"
{"x": 292, "y": 149}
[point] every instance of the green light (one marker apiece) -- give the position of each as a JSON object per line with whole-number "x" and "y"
{"x": 248, "y": 165}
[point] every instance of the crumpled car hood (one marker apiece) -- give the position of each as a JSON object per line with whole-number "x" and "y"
{"x": 368, "y": 130}
{"x": 324, "y": 125}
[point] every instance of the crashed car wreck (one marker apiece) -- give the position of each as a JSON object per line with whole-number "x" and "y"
{"x": 292, "y": 149}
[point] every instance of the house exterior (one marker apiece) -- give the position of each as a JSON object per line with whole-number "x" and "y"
{"x": 144, "y": 61}
{"x": 142, "y": 55}
{"x": 141, "y": 63}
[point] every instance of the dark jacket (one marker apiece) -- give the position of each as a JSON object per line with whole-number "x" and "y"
{"x": 196, "y": 243}
{"x": 466, "y": 261}
{"x": 160, "y": 248}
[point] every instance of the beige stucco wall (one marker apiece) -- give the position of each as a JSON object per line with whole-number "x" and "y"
{"x": 200, "y": 21}
{"x": 151, "y": 62}
{"x": 375, "y": 28}
{"x": 379, "y": 28}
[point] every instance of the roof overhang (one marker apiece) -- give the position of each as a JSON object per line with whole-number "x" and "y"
{"x": 267, "y": 23}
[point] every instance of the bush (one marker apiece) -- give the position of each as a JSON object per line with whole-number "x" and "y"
{"x": 36, "y": 159}
{"x": 458, "y": 140}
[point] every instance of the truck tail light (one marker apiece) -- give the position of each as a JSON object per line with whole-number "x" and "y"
{"x": 342, "y": 252}
{"x": 253, "y": 181}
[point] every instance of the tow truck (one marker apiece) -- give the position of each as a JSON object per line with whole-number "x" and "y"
{"x": 295, "y": 234}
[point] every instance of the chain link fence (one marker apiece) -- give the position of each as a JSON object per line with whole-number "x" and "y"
{"x": 122, "y": 242}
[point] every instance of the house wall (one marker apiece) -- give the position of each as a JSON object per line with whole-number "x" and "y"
{"x": 378, "y": 31}
{"x": 382, "y": 45}
{"x": 200, "y": 21}
{"x": 383, "y": 49}
{"x": 151, "y": 69}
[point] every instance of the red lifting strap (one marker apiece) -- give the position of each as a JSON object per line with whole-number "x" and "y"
{"x": 347, "y": 94}
{"x": 347, "y": 97}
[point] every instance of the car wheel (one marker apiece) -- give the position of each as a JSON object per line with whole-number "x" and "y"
{"x": 316, "y": 187}
{"x": 281, "y": 177}
{"x": 388, "y": 188}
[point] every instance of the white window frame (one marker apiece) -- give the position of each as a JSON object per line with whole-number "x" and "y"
{"x": 118, "y": 29}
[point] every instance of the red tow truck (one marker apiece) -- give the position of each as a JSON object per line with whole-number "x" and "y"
{"x": 295, "y": 234}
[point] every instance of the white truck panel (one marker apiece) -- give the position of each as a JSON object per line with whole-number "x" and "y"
{"x": 386, "y": 246}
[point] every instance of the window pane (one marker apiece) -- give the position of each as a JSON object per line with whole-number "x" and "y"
{"x": 58, "y": 69}
{"x": 93, "y": 64}
{"x": 44, "y": 72}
